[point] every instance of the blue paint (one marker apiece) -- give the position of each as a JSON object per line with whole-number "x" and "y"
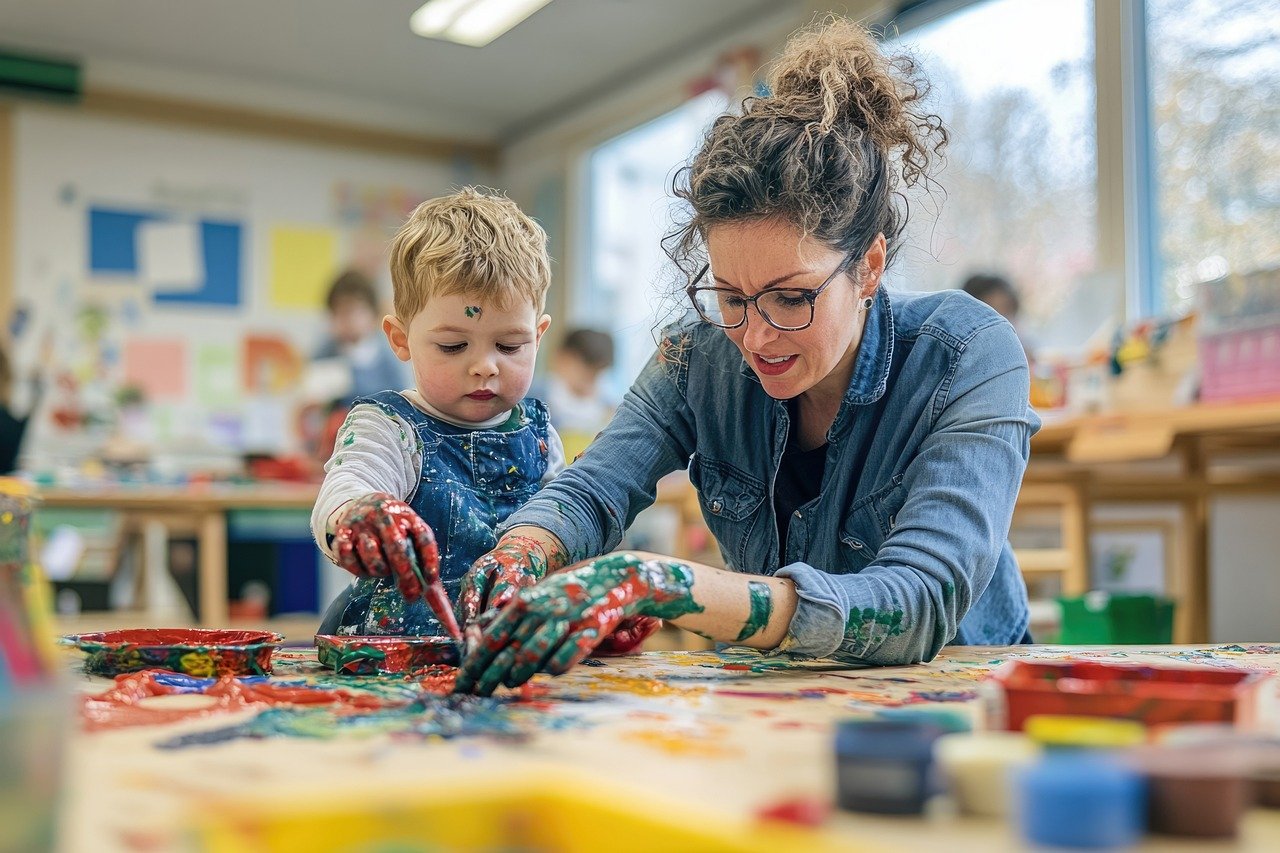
{"x": 1075, "y": 800}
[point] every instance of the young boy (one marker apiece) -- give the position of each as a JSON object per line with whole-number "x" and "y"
{"x": 578, "y": 407}
{"x": 458, "y": 453}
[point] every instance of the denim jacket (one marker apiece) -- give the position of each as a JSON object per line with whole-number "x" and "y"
{"x": 905, "y": 548}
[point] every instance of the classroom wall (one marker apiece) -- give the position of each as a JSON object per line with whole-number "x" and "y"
{"x": 191, "y": 264}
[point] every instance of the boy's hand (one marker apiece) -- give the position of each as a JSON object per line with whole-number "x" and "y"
{"x": 379, "y": 536}
{"x": 495, "y": 578}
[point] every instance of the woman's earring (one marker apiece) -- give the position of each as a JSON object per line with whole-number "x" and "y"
{"x": 866, "y": 303}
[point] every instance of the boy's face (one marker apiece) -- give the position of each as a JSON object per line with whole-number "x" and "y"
{"x": 471, "y": 359}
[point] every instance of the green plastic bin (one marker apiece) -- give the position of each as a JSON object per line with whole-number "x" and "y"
{"x": 1105, "y": 618}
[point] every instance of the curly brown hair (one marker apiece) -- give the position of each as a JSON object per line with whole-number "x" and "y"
{"x": 842, "y": 129}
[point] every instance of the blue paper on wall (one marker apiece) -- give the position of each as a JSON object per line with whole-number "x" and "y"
{"x": 113, "y": 240}
{"x": 222, "y": 251}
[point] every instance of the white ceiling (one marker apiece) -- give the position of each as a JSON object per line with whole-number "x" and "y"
{"x": 362, "y": 50}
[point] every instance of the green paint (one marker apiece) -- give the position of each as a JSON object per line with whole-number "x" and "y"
{"x": 761, "y": 609}
{"x": 868, "y": 625}
{"x": 948, "y": 592}
{"x": 349, "y": 439}
{"x": 473, "y": 311}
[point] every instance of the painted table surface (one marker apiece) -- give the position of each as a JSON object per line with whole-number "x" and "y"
{"x": 725, "y": 733}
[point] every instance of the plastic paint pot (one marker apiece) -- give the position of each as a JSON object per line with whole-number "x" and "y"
{"x": 1073, "y": 799}
{"x": 1065, "y": 732}
{"x": 1196, "y": 791}
{"x": 977, "y": 768}
{"x": 883, "y": 766}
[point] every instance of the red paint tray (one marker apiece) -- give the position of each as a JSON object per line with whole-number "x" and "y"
{"x": 1148, "y": 694}
{"x": 200, "y": 652}
{"x": 379, "y": 654}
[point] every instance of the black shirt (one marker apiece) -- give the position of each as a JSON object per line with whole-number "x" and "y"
{"x": 798, "y": 481}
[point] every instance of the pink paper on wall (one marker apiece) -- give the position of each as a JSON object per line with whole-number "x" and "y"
{"x": 157, "y": 366}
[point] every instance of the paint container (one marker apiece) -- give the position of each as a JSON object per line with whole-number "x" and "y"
{"x": 977, "y": 768}
{"x": 883, "y": 766}
{"x": 1197, "y": 791}
{"x": 1066, "y": 732}
{"x": 349, "y": 655}
{"x": 944, "y": 718}
{"x": 1152, "y": 695}
{"x": 1075, "y": 799}
{"x": 194, "y": 651}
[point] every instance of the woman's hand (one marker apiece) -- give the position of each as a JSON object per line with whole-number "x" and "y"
{"x": 558, "y": 622}
{"x": 495, "y": 578}
{"x": 380, "y": 536}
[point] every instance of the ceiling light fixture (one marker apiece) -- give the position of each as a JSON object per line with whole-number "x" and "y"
{"x": 471, "y": 22}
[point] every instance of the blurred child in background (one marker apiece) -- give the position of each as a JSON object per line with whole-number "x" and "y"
{"x": 573, "y": 394}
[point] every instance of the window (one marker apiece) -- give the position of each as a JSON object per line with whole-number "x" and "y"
{"x": 1214, "y": 75}
{"x": 629, "y": 210}
{"x": 1014, "y": 84}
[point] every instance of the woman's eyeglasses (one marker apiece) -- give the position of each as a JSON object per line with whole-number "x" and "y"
{"x": 787, "y": 309}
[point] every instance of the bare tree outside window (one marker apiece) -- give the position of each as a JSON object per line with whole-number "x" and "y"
{"x": 1014, "y": 82}
{"x": 1215, "y": 95}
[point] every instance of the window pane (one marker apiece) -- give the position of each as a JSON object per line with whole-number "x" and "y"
{"x": 1215, "y": 100}
{"x": 1014, "y": 83}
{"x": 630, "y": 210}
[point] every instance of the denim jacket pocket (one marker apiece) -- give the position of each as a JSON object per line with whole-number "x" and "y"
{"x": 871, "y": 520}
{"x": 723, "y": 490}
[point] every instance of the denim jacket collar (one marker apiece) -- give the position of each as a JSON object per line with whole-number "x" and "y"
{"x": 871, "y": 367}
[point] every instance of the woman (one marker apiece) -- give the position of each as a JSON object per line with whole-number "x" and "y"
{"x": 859, "y": 470}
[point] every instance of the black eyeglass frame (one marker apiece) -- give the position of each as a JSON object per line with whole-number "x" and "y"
{"x": 810, "y": 294}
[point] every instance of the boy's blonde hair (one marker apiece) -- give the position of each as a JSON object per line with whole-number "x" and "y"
{"x": 469, "y": 242}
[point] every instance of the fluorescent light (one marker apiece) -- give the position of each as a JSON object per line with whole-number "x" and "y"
{"x": 471, "y": 22}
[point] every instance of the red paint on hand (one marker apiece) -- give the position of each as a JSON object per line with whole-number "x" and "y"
{"x": 380, "y": 536}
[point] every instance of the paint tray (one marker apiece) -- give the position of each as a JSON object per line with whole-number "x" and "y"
{"x": 193, "y": 651}
{"x": 543, "y": 810}
{"x": 1148, "y": 694}
{"x": 373, "y": 655}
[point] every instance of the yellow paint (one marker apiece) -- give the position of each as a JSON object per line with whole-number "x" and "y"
{"x": 678, "y": 743}
{"x": 1087, "y": 732}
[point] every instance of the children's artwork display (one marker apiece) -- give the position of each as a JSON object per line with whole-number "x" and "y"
{"x": 182, "y": 272}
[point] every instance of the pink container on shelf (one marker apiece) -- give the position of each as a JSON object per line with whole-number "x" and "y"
{"x": 1241, "y": 364}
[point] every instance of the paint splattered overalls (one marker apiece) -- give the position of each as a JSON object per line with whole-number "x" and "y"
{"x": 471, "y": 480}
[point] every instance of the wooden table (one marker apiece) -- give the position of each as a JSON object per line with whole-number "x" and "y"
{"x": 201, "y": 510}
{"x": 1182, "y": 457}
{"x": 712, "y": 737}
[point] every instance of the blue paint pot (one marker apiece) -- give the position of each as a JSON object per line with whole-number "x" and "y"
{"x": 943, "y": 718}
{"x": 883, "y": 766}
{"x": 1080, "y": 800}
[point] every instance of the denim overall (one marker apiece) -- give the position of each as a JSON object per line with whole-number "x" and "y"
{"x": 471, "y": 480}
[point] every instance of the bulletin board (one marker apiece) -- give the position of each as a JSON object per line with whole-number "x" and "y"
{"x": 182, "y": 273}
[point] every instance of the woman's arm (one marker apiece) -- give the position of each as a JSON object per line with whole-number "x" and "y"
{"x": 554, "y": 625}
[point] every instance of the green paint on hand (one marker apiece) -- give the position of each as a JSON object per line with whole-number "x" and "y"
{"x": 761, "y": 609}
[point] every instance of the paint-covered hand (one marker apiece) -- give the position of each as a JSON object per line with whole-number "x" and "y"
{"x": 379, "y": 536}
{"x": 628, "y": 636}
{"x": 495, "y": 578}
{"x": 558, "y": 622}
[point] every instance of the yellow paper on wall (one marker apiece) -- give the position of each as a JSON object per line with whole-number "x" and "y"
{"x": 303, "y": 262}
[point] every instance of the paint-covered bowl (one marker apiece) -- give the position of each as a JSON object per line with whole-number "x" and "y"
{"x": 195, "y": 651}
{"x": 372, "y": 655}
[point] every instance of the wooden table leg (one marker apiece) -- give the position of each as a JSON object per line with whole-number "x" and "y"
{"x": 1194, "y": 599}
{"x": 213, "y": 569}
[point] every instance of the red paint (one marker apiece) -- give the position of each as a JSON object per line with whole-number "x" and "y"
{"x": 803, "y": 811}
{"x": 1151, "y": 695}
{"x": 737, "y": 667}
{"x": 119, "y": 707}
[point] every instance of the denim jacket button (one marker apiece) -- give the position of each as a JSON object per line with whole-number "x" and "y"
{"x": 716, "y": 506}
